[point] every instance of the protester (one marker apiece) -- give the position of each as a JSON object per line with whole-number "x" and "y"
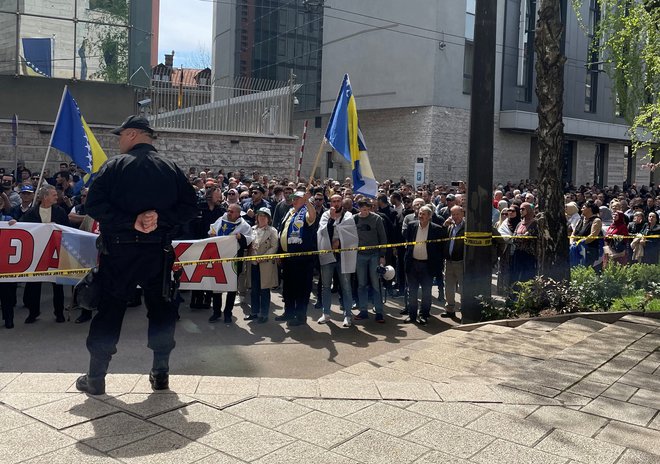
{"x": 262, "y": 273}
{"x": 454, "y": 253}
{"x": 524, "y": 255}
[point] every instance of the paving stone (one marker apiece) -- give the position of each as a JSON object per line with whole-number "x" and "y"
{"x": 454, "y": 413}
{"x": 532, "y": 387}
{"x": 269, "y": 412}
{"x": 521, "y": 431}
{"x": 440, "y": 359}
{"x": 70, "y": 411}
{"x": 565, "y": 367}
{"x": 22, "y": 401}
{"x": 450, "y": 439}
{"x": 582, "y": 324}
{"x": 360, "y": 368}
{"x": 301, "y": 452}
{"x": 494, "y": 328}
{"x": 647, "y": 398}
{"x": 608, "y": 374}
{"x": 162, "y": 447}
{"x": 620, "y": 391}
{"x": 544, "y": 326}
{"x": 580, "y": 448}
{"x": 656, "y": 423}
{"x": 504, "y": 452}
{"x": 195, "y": 420}
{"x": 641, "y": 380}
{"x": 388, "y": 419}
{"x": 220, "y": 401}
{"x": 75, "y": 453}
{"x": 435, "y": 373}
{"x": 472, "y": 379}
{"x": 647, "y": 343}
{"x": 589, "y": 388}
{"x": 373, "y": 447}
{"x": 148, "y": 405}
{"x": 10, "y": 419}
{"x": 398, "y": 404}
{"x": 620, "y": 410}
{"x": 339, "y": 375}
{"x": 631, "y": 436}
{"x": 641, "y": 320}
{"x": 111, "y": 432}
{"x": 349, "y": 389}
{"x": 568, "y": 420}
{"x": 650, "y": 364}
{"x": 220, "y": 458}
{"x": 337, "y": 408}
{"x": 633, "y": 456}
{"x": 31, "y": 440}
{"x": 228, "y": 386}
{"x": 386, "y": 374}
{"x": 296, "y": 388}
{"x": 321, "y": 429}
{"x": 407, "y": 391}
{"x": 471, "y": 392}
{"x": 436, "y": 457}
{"x": 520, "y": 411}
{"x": 41, "y": 383}
{"x": 634, "y": 327}
{"x": 178, "y": 384}
{"x": 571, "y": 399}
{"x": 513, "y": 396}
{"x": 246, "y": 441}
{"x": 7, "y": 377}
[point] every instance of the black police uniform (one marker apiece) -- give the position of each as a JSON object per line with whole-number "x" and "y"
{"x": 126, "y": 186}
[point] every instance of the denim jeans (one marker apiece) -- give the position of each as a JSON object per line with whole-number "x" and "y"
{"x": 366, "y": 274}
{"x": 260, "y": 298}
{"x": 327, "y": 271}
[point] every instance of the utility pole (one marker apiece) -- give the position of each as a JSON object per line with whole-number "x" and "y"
{"x": 477, "y": 261}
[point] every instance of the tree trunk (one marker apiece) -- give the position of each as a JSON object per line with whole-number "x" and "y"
{"x": 552, "y": 245}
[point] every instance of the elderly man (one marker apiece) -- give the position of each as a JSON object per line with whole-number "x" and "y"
{"x": 337, "y": 230}
{"x": 45, "y": 211}
{"x": 140, "y": 199}
{"x": 297, "y": 234}
{"x": 421, "y": 262}
{"x": 255, "y": 203}
{"x": 453, "y": 252}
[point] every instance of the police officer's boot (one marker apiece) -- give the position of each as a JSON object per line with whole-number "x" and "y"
{"x": 159, "y": 375}
{"x": 94, "y": 381}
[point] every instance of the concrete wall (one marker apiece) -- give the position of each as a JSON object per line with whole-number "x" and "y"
{"x": 223, "y": 49}
{"x": 7, "y": 38}
{"x": 37, "y": 99}
{"x": 268, "y": 155}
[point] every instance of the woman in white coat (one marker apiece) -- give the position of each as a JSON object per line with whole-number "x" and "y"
{"x": 262, "y": 273}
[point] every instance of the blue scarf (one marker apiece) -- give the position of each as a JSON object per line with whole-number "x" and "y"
{"x": 296, "y": 227}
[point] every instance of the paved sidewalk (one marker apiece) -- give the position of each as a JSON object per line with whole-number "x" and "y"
{"x": 580, "y": 391}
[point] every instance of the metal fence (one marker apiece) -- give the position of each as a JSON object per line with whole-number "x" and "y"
{"x": 240, "y": 105}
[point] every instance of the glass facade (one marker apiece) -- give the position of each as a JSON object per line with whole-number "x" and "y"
{"x": 275, "y": 37}
{"x": 68, "y": 39}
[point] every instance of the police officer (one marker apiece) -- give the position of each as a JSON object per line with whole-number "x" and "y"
{"x": 139, "y": 199}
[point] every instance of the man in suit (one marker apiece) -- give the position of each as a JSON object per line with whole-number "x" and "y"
{"x": 421, "y": 261}
{"x": 454, "y": 258}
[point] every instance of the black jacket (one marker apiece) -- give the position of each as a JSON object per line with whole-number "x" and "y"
{"x": 433, "y": 250}
{"x": 457, "y": 251}
{"x": 139, "y": 181}
{"x": 57, "y": 215}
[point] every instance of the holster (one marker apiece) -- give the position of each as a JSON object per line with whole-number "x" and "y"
{"x": 87, "y": 292}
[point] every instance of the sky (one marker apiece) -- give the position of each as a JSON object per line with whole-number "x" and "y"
{"x": 186, "y": 26}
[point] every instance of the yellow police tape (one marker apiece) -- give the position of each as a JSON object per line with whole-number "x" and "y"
{"x": 478, "y": 239}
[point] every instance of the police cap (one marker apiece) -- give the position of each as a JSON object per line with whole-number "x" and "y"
{"x": 134, "y": 122}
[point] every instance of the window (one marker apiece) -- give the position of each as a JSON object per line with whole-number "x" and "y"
{"x": 468, "y": 59}
{"x": 469, "y": 19}
{"x": 593, "y": 59}
{"x": 525, "y": 71}
{"x": 318, "y": 121}
{"x": 600, "y": 164}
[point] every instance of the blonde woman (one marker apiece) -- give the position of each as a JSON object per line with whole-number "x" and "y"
{"x": 262, "y": 273}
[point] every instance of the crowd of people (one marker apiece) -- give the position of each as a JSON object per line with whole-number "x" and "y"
{"x": 271, "y": 215}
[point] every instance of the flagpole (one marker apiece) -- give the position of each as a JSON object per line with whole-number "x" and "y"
{"x": 316, "y": 161}
{"x": 15, "y": 142}
{"x": 50, "y": 142}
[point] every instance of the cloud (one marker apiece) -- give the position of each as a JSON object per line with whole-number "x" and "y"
{"x": 185, "y": 27}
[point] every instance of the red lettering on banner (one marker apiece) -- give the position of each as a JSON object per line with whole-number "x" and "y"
{"x": 50, "y": 259}
{"x": 181, "y": 248}
{"x": 214, "y": 270}
{"x": 9, "y": 250}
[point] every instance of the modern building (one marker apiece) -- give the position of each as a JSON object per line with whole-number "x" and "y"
{"x": 270, "y": 39}
{"x": 411, "y": 70}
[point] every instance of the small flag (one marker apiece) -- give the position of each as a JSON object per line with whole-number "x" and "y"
{"x": 73, "y": 136}
{"x": 344, "y": 135}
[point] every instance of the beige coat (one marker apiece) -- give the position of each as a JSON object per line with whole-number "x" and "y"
{"x": 265, "y": 243}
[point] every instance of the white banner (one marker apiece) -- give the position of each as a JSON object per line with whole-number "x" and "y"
{"x": 26, "y": 248}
